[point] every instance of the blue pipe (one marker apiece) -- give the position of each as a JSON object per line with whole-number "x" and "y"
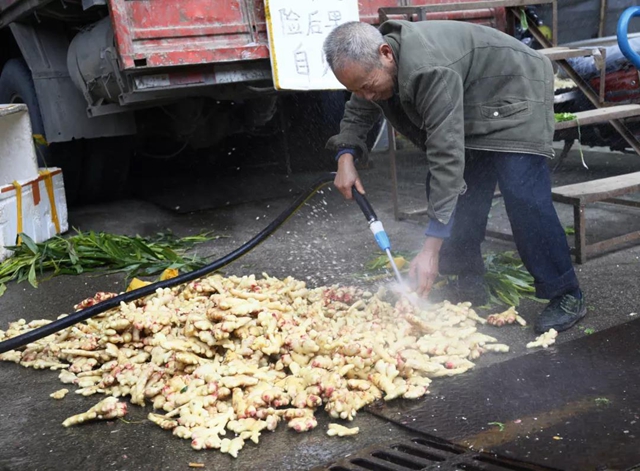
{"x": 623, "y": 35}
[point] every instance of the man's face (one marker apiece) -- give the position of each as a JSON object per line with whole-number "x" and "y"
{"x": 373, "y": 84}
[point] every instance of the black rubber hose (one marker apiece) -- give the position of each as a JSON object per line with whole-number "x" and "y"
{"x": 92, "y": 311}
{"x": 364, "y": 204}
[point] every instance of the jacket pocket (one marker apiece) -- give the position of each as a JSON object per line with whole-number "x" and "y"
{"x": 510, "y": 110}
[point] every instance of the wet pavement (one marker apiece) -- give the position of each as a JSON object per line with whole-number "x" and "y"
{"x": 328, "y": 242}
{"x": 574, "y": 406}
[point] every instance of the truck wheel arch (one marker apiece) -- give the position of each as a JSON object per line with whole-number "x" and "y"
{"x": 63, "y": 108}
{"x": 8, "y": 47}
{"x": 16, "y": 86}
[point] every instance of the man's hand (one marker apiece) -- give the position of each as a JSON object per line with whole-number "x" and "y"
{"x": 424, "y": 268}
{"x": 347, "y": 176}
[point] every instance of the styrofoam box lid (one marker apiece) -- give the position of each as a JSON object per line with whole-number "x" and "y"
{"x": 18, "y": 159}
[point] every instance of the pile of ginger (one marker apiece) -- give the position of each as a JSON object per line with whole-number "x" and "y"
{"x": 222, "y": 360}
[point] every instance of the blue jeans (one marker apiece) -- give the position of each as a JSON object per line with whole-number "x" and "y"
{"x": 526, "y": 187}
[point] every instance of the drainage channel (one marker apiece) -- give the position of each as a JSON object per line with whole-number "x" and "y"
{"x": 427, "y": 454}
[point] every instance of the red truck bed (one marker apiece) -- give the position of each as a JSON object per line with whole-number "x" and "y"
{"x": 169, "y": 33}
{"x": 161, "y": 33}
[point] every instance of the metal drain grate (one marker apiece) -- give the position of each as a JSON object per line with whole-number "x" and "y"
{"x": 427, "y": 454}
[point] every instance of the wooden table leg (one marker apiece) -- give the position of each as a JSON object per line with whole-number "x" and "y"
{"x": 581, "y": 233}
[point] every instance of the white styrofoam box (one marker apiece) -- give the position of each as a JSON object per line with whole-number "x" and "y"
{"x": 37, "y": 210}
{"x": 18, "y": 159}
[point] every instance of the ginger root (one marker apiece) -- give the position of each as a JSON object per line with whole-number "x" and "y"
{"x": 507, "y": 317}
{"x": 106, "y": 409}
{"x": 544, "y": 340}
{"x": 341, "y": 431}
{"x": 224, "y": 359}
{"x": 59, "y": 394}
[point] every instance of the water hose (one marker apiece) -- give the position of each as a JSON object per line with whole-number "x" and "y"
{"x": 92, "y": 311}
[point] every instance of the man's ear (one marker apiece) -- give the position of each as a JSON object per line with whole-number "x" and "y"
{"x": 386, "y": 53}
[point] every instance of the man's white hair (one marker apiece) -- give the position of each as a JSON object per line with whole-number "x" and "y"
{"x": 353, "y": 42}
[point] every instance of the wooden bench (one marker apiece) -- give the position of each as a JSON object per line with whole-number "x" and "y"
{"x": 604, "y": 190}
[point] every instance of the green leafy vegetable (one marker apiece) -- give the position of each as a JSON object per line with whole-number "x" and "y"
{"x": 560, "y": 117}
{"x": 569, "y": 230}
{"x": 90, "y": 251}
{"x": 500, "y": 425}
{"x": 507, "y": 280}
{"x": 378, "y": 263}
{"x": 524, "y": 23}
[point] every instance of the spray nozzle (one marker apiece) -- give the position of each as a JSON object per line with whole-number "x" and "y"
{"x": 376, "y": 227}
{"x": 380, "y": 235}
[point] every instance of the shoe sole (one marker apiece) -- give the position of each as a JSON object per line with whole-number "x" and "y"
{"x": 581, "y": 315}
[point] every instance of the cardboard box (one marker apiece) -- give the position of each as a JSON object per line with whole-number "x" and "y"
{"x": 32, "y": 201}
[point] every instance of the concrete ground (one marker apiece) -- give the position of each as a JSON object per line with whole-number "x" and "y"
{"x": 326, "y": 242}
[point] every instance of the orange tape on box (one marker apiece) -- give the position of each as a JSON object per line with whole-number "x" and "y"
{"x": 18, "y": 188}
{"x": 48, "y": 183}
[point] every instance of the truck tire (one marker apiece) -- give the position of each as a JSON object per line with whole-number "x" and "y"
{"x": 94, "y": 170}
{"x": 16, "y": 86}
{"x": 105, "y": 168}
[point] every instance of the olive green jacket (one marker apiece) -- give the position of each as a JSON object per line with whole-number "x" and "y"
{"x": 459, "y": 86}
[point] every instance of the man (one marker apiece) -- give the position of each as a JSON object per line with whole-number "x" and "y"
{"x": 480, "y": 103}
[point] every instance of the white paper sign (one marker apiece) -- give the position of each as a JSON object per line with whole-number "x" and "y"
{"x": 297, "y": 30}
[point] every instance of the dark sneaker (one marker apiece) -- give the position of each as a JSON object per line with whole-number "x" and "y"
{"x": 470, "y": 288}
{"x": 561, "y": 313}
